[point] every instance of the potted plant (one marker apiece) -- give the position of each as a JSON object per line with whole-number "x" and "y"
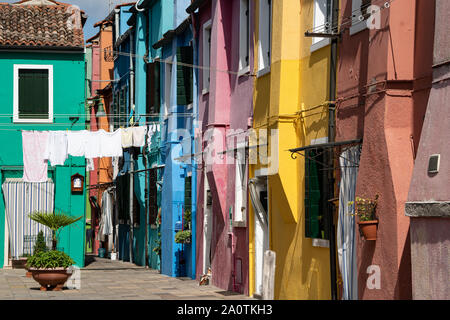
{"x": 55, "y": 221}
{"x": 39, "y": 246}
{"x": 183, "y": 236}
{"x": 49, "y": 269}
{"x": 368, "y": 223}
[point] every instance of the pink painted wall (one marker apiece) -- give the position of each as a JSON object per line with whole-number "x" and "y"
{"x": 385, "y": 115}
{"x": 228, "y": 105}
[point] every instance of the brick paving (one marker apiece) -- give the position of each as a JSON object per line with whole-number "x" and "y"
{"x": 103, "y": 279}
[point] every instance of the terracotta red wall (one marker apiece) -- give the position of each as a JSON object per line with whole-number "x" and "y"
{"x": 377, "y": 102}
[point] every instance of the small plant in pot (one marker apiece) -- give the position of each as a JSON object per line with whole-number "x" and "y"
{"x": 368, "y": 223}
{"x": 183, "y": 237}
{"x": 49, "y": 268}
{"x": 39, "y": 246}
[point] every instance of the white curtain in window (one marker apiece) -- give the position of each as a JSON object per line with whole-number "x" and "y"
{"x": 346, "y": 232}
{"x": 21, "y": 199}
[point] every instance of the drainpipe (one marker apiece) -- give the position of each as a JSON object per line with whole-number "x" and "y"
{"x": 145, "y": 153}
{"x": 131, "y": 99}
{"x": 116, "y": 21}
{"x": 194, "y": 165}
{"x": 331, "y": 138}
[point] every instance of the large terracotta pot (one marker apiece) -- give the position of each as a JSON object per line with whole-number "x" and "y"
{"x": 369, "y": 229}
{"x": 50, "y": 279}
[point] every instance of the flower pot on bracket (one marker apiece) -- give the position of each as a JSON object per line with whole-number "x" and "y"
{"x": 369, "y": 229}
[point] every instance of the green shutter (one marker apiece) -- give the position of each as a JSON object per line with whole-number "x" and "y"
{"x": 312, "y": 196}
{"x": 184, "y": 76}
{"x": 187, "y": 193}
{"x": 33, "y": 94}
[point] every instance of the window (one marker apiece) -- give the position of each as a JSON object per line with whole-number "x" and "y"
{"x": 33, "y": 93}
{"x": 123, "y": 107}
{"x": 316, "y": 204}
{"x": 184, "y": 76}
{"x": 322, "y": 23}
{"x": 153, "y": 87}
{"x": 265, "y": 36}
{"x": 240, "y": 195}
{"x": 167, "y": 87}
{"x": 115, "y": 114}
{"x": 188, "y": 193}
{"x": 244, "y": 37}
{"x": 359, "y": 16}
{"x": 206, "y": 56}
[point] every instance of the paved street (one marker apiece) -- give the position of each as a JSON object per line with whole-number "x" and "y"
{"x": 103, "y": 279}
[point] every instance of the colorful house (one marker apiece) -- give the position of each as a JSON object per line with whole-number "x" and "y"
{"x": 99, "y": 102}
{"x": 383, "y": 84}
{"x": 428, "y": 197}
{"x": 290, "y": 213}
{"x": 178, "y": 259}
{"x": 34, "y": 93}
{"x": 225, "y": 94}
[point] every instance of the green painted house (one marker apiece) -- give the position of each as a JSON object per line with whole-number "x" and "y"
{"x": 42, "y": 87}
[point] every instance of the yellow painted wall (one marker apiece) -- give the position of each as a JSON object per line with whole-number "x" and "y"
{"x": 298, "y": 81}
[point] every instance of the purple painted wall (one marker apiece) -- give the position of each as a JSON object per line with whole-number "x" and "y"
{"x": 429, "y": 195}
{"x": 430, "y": 256}
{"x": 228, "y": 105}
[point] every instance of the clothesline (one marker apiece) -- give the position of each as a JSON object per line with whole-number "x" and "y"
{"x": 41, "y": 147}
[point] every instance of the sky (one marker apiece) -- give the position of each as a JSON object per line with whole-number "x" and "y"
{"x": 96, "y": 10}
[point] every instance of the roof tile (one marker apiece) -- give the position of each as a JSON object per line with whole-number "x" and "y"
{"x": 41, "y": 25}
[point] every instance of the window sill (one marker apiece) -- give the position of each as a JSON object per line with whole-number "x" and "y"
{"x": 239, "y": 224}
{"x": 358, "y": 27}
{"x": 244, "y": 72}
{"x": 321, "y": 44}
{"x": 320, "y": 243}
{"x": 263, "y": 72}
{"x": 16, "y": 120}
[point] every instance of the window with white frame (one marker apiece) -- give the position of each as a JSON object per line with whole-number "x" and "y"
{"x": 240, "y": 195}
{"x": 322, "y": 23}
{"x": 265, "y": 36}
{"x": 33, "y": 93}
{"x": 206, "y": 55}
{"x": 167, "y": 86}
{"x": 244, "y": 37}
{"x": 359, "y": 15}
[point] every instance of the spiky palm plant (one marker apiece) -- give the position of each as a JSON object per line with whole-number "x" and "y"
{"x": 55, "y": 221}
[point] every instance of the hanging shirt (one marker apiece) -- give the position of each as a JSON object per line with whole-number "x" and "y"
{"x": 115, "y": 164}
{"x": 90, "y": 164}
{"x": 35, "y": 166}
{"x": 76, "y": 142}
{"x": 127, "y": 138}
{"x": 126, "y": 162}
{"x": 56, "y": 151}
{"x": 111, "y": 143}
{"x": 139, "y": 134}
{"x": 93, "y": 145}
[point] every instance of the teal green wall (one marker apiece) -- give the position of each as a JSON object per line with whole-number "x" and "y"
{"x": 69, "y": 100}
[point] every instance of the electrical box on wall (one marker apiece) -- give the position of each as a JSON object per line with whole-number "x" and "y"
{"x": 433, "y": 163}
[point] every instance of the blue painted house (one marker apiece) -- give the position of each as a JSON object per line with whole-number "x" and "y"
{"x": 178, "y": 203}
{"x": 36, "y": 94}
